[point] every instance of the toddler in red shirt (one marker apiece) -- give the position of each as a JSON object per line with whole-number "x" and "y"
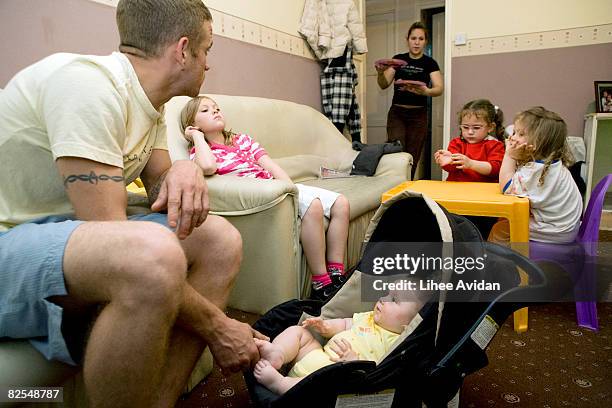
{"x": 477, "y": 154}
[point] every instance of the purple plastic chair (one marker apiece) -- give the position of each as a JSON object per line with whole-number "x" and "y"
{"x": 584, "y": 274}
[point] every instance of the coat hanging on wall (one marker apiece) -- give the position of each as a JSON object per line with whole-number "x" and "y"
{"x": 330, "y": 25}
{"x": 334, "y": 31}
{"x": 338, "y": 82}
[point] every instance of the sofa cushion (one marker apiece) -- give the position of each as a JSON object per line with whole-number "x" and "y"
{"x": 303, "y": 167}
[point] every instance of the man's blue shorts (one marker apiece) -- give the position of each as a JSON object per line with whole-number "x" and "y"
{"x": 31, "y": 270}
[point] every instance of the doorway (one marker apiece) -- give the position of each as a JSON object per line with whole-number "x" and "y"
{"x": 380, "y": 32}
{"x": 434, "y": 21}
{"x": 386, "y": 25}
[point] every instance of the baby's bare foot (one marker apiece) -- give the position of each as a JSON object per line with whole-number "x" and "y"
{"x": 267, "y": 375}
{"x": 270, "y": 352}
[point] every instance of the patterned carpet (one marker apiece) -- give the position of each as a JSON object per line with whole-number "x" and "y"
{"x": 554, "y": 364}
{"x": 218, "y": 391}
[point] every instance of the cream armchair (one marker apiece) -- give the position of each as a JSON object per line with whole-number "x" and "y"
{"x": 300, "y": 139}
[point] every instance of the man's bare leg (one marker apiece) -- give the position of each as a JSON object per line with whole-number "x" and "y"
{"x": 214, "y": 252}
{"x": 195, "y": 312}
{"x": 138, "y": 269}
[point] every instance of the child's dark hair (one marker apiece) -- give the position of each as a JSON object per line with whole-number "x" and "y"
{"x": 547, "y": 132}
{"x": 189, "y": 112}
{"x": 485, "y": 110}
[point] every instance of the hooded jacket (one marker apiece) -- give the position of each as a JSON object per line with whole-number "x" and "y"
{"x": 330, "y": 25}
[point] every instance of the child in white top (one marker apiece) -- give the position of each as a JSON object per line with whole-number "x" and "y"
{"x": 217, "y": 150}
{"x": 534, "y": 166}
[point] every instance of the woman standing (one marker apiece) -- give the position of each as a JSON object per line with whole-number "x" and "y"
{"x": 407, "y": 118}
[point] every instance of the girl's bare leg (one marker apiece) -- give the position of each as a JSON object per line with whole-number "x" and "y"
{"x": 337, "y": 232}
{"x": 312, "y": 237}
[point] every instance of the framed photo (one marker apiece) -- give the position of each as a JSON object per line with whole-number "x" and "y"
{"x": 603, "y": 96}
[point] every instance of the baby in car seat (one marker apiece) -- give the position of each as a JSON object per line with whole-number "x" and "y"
{"x": 365, "y": 336}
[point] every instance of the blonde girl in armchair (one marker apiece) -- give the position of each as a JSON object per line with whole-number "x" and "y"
{"x": 219, "y": 151}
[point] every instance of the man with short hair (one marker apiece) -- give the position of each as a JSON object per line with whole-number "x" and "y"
{"x": 74, "y": 130}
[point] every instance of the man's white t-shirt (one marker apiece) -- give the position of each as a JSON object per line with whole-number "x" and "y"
{"x": 91, "y": 107}
{"x": 555, "y": 206}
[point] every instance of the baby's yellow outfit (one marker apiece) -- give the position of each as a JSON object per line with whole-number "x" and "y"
{"x": 367, "y": 339}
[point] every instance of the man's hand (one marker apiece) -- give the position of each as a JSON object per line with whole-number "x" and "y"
{"x": 344, "y": 351}
{"x": 233, "y": 347}
{"x": 184, "y": 194}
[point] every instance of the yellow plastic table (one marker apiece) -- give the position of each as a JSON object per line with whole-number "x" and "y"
{"x": 480, "y": 199}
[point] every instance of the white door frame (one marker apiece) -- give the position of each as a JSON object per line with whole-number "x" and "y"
{"x": 447, "y": 4}
{"x": 360, "y": 61}
{"x": 377, "y": 118}
{"x": 448, "y": 51}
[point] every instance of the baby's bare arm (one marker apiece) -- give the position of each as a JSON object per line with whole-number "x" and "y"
{"x": 328, "y": 328}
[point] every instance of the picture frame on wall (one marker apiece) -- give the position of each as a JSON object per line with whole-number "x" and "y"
{"x": 603, "y": 96}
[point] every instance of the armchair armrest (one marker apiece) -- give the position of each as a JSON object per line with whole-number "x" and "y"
{"x": 228, "y": 195}
{"x": 233, "y": 196}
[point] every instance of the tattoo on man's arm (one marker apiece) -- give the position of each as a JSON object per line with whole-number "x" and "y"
{"x": 91, "y": 178}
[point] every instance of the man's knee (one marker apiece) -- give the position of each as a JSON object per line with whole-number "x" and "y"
{"x": 157, "y": 268}
{"x": 133, "y": 262}
{"x": 221, "y": 239}
{"x": 232, "y": 238}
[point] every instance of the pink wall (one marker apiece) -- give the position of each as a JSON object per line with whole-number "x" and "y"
{"x": 238, "y": 68}
{"x": 559, "y": 79}
{"x": 33, "y": 29}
